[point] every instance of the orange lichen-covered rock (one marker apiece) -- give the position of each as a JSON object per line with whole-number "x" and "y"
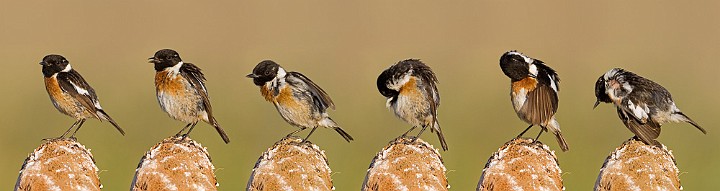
{"x": 175, "y": 164}
{"x": 291, "y": 164}
{"x": 59, "y": 164}
{"x": 522, "y": 164}
{"x": 637, "y": 166}
{"x": 406, "y": 165}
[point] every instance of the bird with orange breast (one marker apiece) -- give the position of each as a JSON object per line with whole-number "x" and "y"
{"x": 71, "y": 94}
{"x": 181, "y": 92}
{"x": 300, "y": 101}
{"x": 534, "y": 93}
{"x": 410, "y": 87}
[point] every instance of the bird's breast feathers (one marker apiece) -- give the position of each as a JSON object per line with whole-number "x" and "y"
{"x": 168, "y": 83}
{"x": 63, "y": 101}
{"x": 286, "y": 99}
{"x": 520, "y": 90}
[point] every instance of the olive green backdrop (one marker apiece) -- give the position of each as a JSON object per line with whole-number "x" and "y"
{"x": 343, "y": 46}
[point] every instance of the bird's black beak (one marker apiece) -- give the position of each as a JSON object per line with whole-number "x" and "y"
{"x": 152, "y": 60}
{"x": 252, "y": 76}
{"x": 596, "y": 104}
{"x": 43, "y": 63}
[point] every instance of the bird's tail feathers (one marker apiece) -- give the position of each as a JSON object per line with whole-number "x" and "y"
{"x": 687, "y": 119}
{"x": 329, "y": 123}
{"x": 220, "y": 130}
{"x": 104, "y": 116}
{"x": 554, "y": 127}
{"x": 441, "y": 137}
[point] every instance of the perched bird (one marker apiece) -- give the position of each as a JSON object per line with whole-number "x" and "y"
{"x": 71, "y": 94}
{"x": 410, "y": 87}
{"x": 181, "y": 92}
{"x": 533, "y": 92}
{"x": 642, "y": 105}
{"x": 298, "y": 99}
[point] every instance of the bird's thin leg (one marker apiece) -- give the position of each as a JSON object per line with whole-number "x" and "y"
{"x": 538, "y": 136}
{"x": 308, "y": 136}
{"x": 526, "y": 129}
{"x": 190, "y": 130}
{"x": 183, "y": 129}
{"x": 71, "y": 126}
{"x": 406, "y": 132}
{"x": 420, "y": 133}
{"x": 78, "y": 128}
{"x": 293, "y": 133}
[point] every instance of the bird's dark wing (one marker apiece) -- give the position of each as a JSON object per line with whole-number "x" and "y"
{"x": 429, "y": 79}
{"x": 647, "y": 132}
{"x": 196, "y": 78}
{"x": 72, "y": 83}
{"x": 321, "y": 99}
{"x": 541, "y": 104}
{"x": 547, "y": 75}
{"x": 645, "y": 98}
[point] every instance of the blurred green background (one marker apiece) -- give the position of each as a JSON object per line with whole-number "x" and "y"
{"x": 343, "y": 46}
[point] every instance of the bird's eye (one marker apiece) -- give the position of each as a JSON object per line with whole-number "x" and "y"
{"x": 267, "y": 72}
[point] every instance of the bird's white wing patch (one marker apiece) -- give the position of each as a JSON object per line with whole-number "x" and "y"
{"x": 639, "y": 110}
{"x": 79, "y": 89}
{"x": 553, "y": 84}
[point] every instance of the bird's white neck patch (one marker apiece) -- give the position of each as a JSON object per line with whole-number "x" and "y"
{"x": 281, "y": 73}
{"x": 275, "y": 82}
{"x": 176, "y": 69}
{"x": 533, "y": 69}
{"x": 67, "y": 68}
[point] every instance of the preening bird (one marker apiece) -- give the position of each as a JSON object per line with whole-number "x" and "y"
{"x": 534, "y": 91}
{"x": 642, "y": 105}
{"x": 410, "y": 87}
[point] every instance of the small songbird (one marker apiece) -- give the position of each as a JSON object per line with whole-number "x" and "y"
{"x": 642, "y": 105}
{"x": 71, "y": 94}
{"x": 410, "y": 87}
{"x": 300, "y": 101}
{"x": 534, "y": 93}
{"x": 181, "y": 92}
